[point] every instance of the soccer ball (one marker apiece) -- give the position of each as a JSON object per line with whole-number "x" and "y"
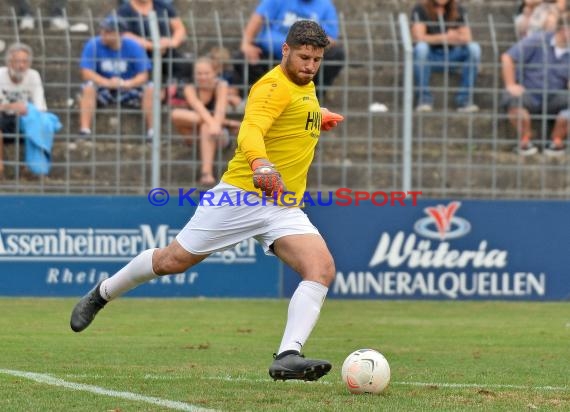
{"x": 366, "y": 371}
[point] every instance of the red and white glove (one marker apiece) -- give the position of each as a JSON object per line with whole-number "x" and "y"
{"x": 329, "y": 120}
{"x": 266, "y": 177}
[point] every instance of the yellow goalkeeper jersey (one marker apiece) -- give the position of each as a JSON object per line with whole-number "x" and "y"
{"x": 282, "y": 123}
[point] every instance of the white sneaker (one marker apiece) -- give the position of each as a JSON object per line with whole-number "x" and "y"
{"x": 424, "y": 107}
{"x": 79, "y": 28}
{"x": 377, "y": 107}
{"x": 59, "y": 23}
{"x": 468, "y": 108}
{"x": 27, "y": 23}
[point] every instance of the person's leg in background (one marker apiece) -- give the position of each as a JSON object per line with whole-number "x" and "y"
{"x": 58, "y": 20}
{"x": 422, "y": 76}
{"x": 558, "y": 106}
{"x": 470, "y": 57}
{"x": 25, "y": 13}
{"x": 333, "y": 63}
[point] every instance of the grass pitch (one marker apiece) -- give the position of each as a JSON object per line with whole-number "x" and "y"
{"x": 188, "y": 354}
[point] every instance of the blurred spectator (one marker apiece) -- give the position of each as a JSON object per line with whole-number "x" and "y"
{"x": 114, "y": 69}
{"x": 536, "y": 75}
{"x": 19, "y": 85}
{"x": 175, "y": 66}
{"x": 58, "y": 21}
{"x": 443, "y": 41}
{"x": 225, "y": 70}
{"x": 538, "y": 15}
{"x": 265, "y": 33}
{"x": 121, "y": 2}
{"x": 207, "y": 100}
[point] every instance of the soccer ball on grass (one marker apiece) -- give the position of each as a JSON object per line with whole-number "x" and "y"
{"x": 366, "y": 371}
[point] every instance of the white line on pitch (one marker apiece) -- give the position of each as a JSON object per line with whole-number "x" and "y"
{"x": 51, "y": 380}
{"x": 483, "y": 386}
{"x": 230, "y": 378}
{"x": 426, "y": 384}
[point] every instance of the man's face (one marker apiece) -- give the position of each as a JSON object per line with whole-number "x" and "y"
{"x": 18, "y": 64}
{"x": 111, "y": 38}
{"x": 301, "y": 64}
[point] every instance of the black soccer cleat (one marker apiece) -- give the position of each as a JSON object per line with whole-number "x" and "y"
{"x": 85, "y": 310}
{"x": 292, "y": 365}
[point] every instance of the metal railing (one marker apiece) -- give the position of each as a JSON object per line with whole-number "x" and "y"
{"x": 442, "y": 153}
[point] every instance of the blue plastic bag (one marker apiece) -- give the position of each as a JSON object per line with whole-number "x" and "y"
{"x": 39, "y": 128}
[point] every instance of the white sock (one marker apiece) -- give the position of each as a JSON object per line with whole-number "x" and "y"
{"x": 304, "y": 310}
{"x": 137, "y": 271}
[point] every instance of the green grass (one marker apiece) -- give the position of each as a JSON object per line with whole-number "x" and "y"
{"x": 215, "y": 353}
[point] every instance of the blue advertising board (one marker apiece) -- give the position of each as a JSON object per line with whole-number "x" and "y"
{"x": 62, "y": 246}
{"x": 443, "y": 249}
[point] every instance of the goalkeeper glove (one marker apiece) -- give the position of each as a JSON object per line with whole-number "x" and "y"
{"x": 266, "y": 177}
{"x": 329, "y": 119}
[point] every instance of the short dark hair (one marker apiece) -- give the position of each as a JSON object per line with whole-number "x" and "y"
{"x": 307, "y": 33}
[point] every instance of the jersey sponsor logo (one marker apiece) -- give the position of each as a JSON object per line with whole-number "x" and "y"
{"x": 313, "y": 121}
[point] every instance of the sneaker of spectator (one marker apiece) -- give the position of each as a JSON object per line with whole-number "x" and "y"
{"x": 79, "y": 28}
{"x": 27, "y": 23}
{"x": 468, "y": 108}
{"x": 555, "y": 149}
{"x": 377, "y": 107}
{"x": 59, "y": 23}
{"x": 424, "y": 107}
{"x": 84, "y": 135}
{"x": 526, "y": 149}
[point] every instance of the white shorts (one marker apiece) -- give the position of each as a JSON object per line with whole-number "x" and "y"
{"x": 231, "y": 215}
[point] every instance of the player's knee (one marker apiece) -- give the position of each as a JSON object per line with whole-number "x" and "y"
{"x": 323, "y": 273}
{"x": 329, "y": 272}
{"x": 165, "y": 262}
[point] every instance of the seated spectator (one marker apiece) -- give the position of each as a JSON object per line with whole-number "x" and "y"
{"x": 265, "y": 33}
{"x": 172, "y": 35}
{"x": 207, "y": 100}
{"x": 58, "y": 21}
{"x": 535, "y": 69}
{"x": 443, "y": 41}
{"x": 220, "y": 57}
{"x": 19, "y": 85}
{"x": 538, "y": 15}
{"x": 114, "y": 69}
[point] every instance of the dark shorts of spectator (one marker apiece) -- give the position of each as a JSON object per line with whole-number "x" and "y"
{"x": 555, "y": 103}
{"x": 176, "y": 67}
{"x": 9, "y": 124}
{"x": 128, "y": 98}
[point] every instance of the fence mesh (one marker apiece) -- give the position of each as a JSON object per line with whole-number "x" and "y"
{"x": 453, "y": 154}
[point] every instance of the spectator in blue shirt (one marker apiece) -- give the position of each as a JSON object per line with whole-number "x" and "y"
{"x": 265, "y": 33}
{"x": 115, "y": 71}
{"x": 536, "y": 75}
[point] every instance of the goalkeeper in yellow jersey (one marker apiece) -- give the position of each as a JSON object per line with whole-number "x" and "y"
{"x": 276, "y": 145}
